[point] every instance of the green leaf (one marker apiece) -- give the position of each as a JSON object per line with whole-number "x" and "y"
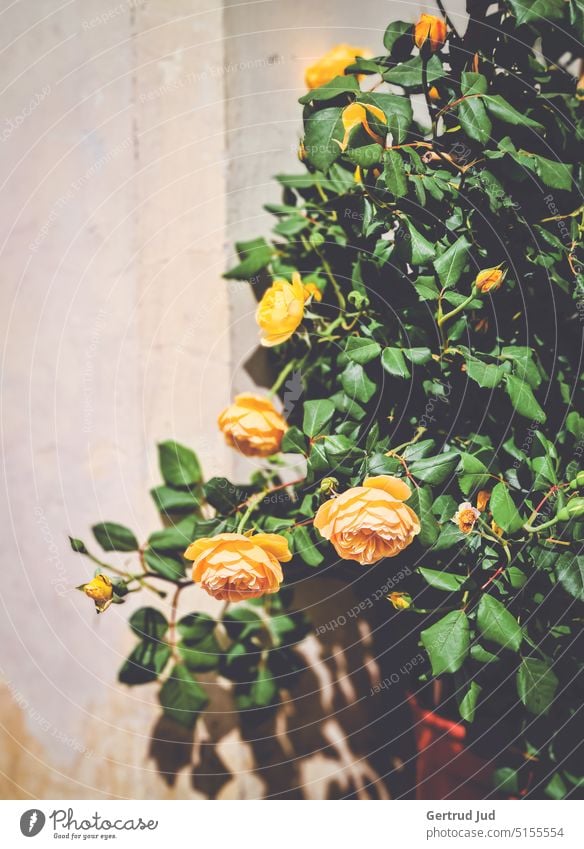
{"x": 504, "y": 511}
{"x": 148, "y": 624}
{"x": 540, "y": 11}
{"x": 146, "y": 663}
{"x": 356, "y": 384}
{"x": 254, "y": 255}
{"x": 556, "y": 175}
{"x": 421, "y": 503}
{"x": 569, "y": 571}
{"x": 409, "y": 74}
{"x": 449, "y": 537}
{"x": 474, "y": 119}
{"x": 223, "y": 495}
{"x": 201, "y": 656}
{"x": 322, "y": 137}
{"x": 317, "y": 415}
{"x": 392, "y": 360}
{"x": 487, "y": 376}
{"x": 194, "y": 627}
{"x": 435, "y": 470}
{"x": 413, "y": 245}
{"x": 447, "y": 642}
{"x": 450, "y": 265}
{"x": 162, "y": 564}
{"x": 114, "y": 537}
{"x": 523, "y": 399}
{"x": 362, "y": 350}
{"x": 474, "y": 474}
{"x": 481, "y": 655}
{"x": 242, "y": 623}
{"x": 395, "y": 173}
{"x": 498, "y": 107}
{"x": 418, "y": 356}
{"x": 468, "y": 704}
{"x": 536, "y": 685}
{"x": 182, "y": 698}
{"x": 473, "y": 83}
{"x": 505, "y": 780}
{"x": 175, "y": 538}
{"x": 306, "y": 548}
{"x": 170, "y": 500}
{"x": 339, "y": 85}
{"x": 397, "y": 31}
{"x": 445, "y": 581}
{"x": 179, "y": 465}
{"x": 294, "y": 442}
{"x": 498, "y": 625}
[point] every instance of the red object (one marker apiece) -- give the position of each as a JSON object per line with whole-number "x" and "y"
{"x": 445, "y": 768}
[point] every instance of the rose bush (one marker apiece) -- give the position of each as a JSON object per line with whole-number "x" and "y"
{"x": 439, "y": 220}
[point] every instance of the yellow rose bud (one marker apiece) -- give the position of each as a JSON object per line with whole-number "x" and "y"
{"x": 489, "y": 279}
{"x": 401, "y": 601}
{"x": 252, "y": 425}
{"x": 333, "y": 64}
{"x": 465, "y": 517}
{"x": 237, "y": 567}
{"x": 281, "y": 309}
{"x": 369, "y": 522}
{"x": 482, "y": 500}
{"x": 430, "y": 33}
{"x": 433, "y": 93}
{"x": 99, "y": 590}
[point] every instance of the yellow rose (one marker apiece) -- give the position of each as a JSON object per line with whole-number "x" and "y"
{"x": 490, "y": 278}
{"x": 430, "y": 33}
{"x": 252, "y": 425}
{"x": 369, "y": 522}
{"x": 234, "y": 567}
{"x": 100, "y": 591}
{"x": 465, "y": 517}
{"x": 281, "y": 309}
{"x": 333, "y": 64}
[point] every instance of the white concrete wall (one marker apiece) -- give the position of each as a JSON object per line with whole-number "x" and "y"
{"x": 132, "y": 155}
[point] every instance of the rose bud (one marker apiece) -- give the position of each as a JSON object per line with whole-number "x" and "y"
{"x": 430, "y": 33}
{"x": 100, "y": 591}
{"x": 401, "y": 601}
{"x": 490, "y": 279}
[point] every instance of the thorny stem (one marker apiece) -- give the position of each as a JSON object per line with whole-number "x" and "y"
{"x": 281, "y": 378}
{"x": 442, "y": 319}
{"x": 429, "y": 104}
{"x": 139, "y": 578}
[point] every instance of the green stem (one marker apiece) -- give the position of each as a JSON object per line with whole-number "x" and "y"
{"x": 442, "y": 319}
{"x": 429, "y": 104}
{"x": 281, "y": 378}
{"x": 531, "y": 530}
{"x": 252, "y": 505}
{"x": 334, "y": 281}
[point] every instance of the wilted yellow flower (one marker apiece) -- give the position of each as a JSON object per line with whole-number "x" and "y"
{"x": 401, "y": 601}
{"x": 252, "y": 425}
{"x": 369, "y": 522}
{"x": 355, "y": 115}
{"x": 465, "y": 517}
{"x": 430, "y": 33}
{"x": 237, "y": 567}
{"x": 496, "y": 529}
{"x": 281, "y": 309}
{"x": 483, "y": 499}
{"x": 490, "y": 279}
{"x": 100, "y": 591}
{"x": 333, "y": 64}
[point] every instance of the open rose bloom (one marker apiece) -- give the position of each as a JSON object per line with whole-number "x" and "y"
{"x": 235, "y": 567}
{"x": 369, "y": 522}
{"x": 252, "y": 425}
